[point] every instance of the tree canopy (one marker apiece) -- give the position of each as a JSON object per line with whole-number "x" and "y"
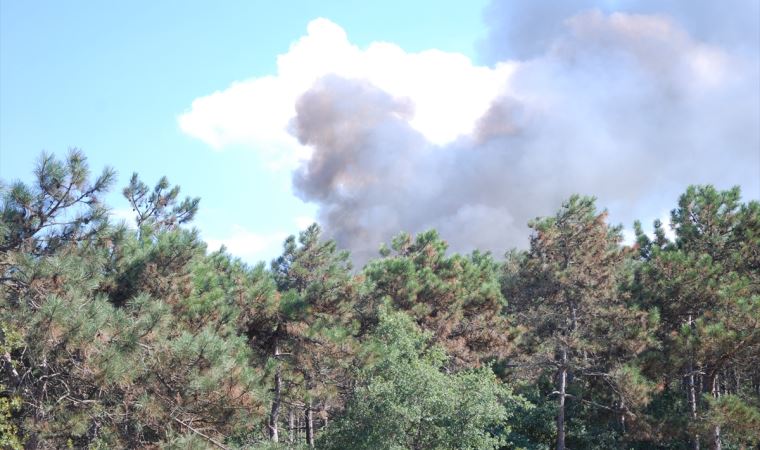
{"x": 113, "y": 336}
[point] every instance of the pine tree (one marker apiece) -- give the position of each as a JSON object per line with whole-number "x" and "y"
{"x": 158, "y": 208}
{"x": 62, "y": 208}
{"x": 706, "y": 286}
{"x": 313, "y": 327}
{"x": 576, "y": 322}
{"x": 114, "y": 352}
{"x": 457, "y": 298}
{"x": 112, "y": 337}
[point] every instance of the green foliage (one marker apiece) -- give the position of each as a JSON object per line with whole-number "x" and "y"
{"x": 159, "y": 208}
{"x": 705, "y": 284}
{"x": 9, "y": 433}
{"x": 404, "y": 399}
{"x": 62, "y": 207}
{"x": 737, "y": 418}
{"x": 308, "y": 335}
{"x": 533, "y": 426}
{"x": 457, "y": 298}
{"x": 118, "y": 338}
{"x": 576, "y": 322}
{"x": 10, "y": 341}
{"x": 125, "y": 337}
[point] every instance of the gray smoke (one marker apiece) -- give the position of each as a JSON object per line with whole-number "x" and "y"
{"x": 521, "y": 29}
{"x": 628, "y": 107}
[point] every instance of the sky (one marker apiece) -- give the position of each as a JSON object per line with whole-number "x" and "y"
{"x": 376, "y": 117}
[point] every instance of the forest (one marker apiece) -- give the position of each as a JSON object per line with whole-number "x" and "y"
{"x": 116, "y": 336}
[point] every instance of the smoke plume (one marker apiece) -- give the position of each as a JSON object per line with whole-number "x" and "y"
{"x": 630, "y": 101}
{"x": 630, "y": 108}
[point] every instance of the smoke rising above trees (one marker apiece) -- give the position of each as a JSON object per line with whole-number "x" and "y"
{"x": 626, "y": 101}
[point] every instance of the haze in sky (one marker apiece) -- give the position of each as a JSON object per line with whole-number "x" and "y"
{"x": 470, "y": 118}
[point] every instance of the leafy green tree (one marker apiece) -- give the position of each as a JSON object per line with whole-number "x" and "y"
{"x": 405, "y": 400}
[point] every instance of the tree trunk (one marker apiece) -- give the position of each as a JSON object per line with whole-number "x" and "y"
{"x": 563, "y": 382}
{"x": 275, "y": 413}
{"x": 7, "y": 366}
{"x": 691, "y": 396}
{"x": 309, "y": 424}
{"x": 291, "y": 427}
{"x": 309, "y": 412}
{"x": 561, "y": 412}
{"x": 717, "y": 444}
{"x": 622, "y": 416}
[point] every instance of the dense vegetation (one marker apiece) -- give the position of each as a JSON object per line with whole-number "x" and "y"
{"x": 114, "y": 337}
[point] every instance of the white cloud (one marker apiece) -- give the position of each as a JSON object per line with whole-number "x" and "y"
{"x": 447, "y": 91}
{"x": 251, "y": 247}
{"x": 127, "y": 215}
{"x": 303, "y": 222}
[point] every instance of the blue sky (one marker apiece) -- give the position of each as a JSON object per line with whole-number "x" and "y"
{"x": 468, "y": 117}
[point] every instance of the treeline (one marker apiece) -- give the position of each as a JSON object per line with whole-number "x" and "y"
{"x": 114, "y": 337}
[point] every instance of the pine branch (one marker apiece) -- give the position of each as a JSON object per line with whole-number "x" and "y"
{"x": 199, "y": 433}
